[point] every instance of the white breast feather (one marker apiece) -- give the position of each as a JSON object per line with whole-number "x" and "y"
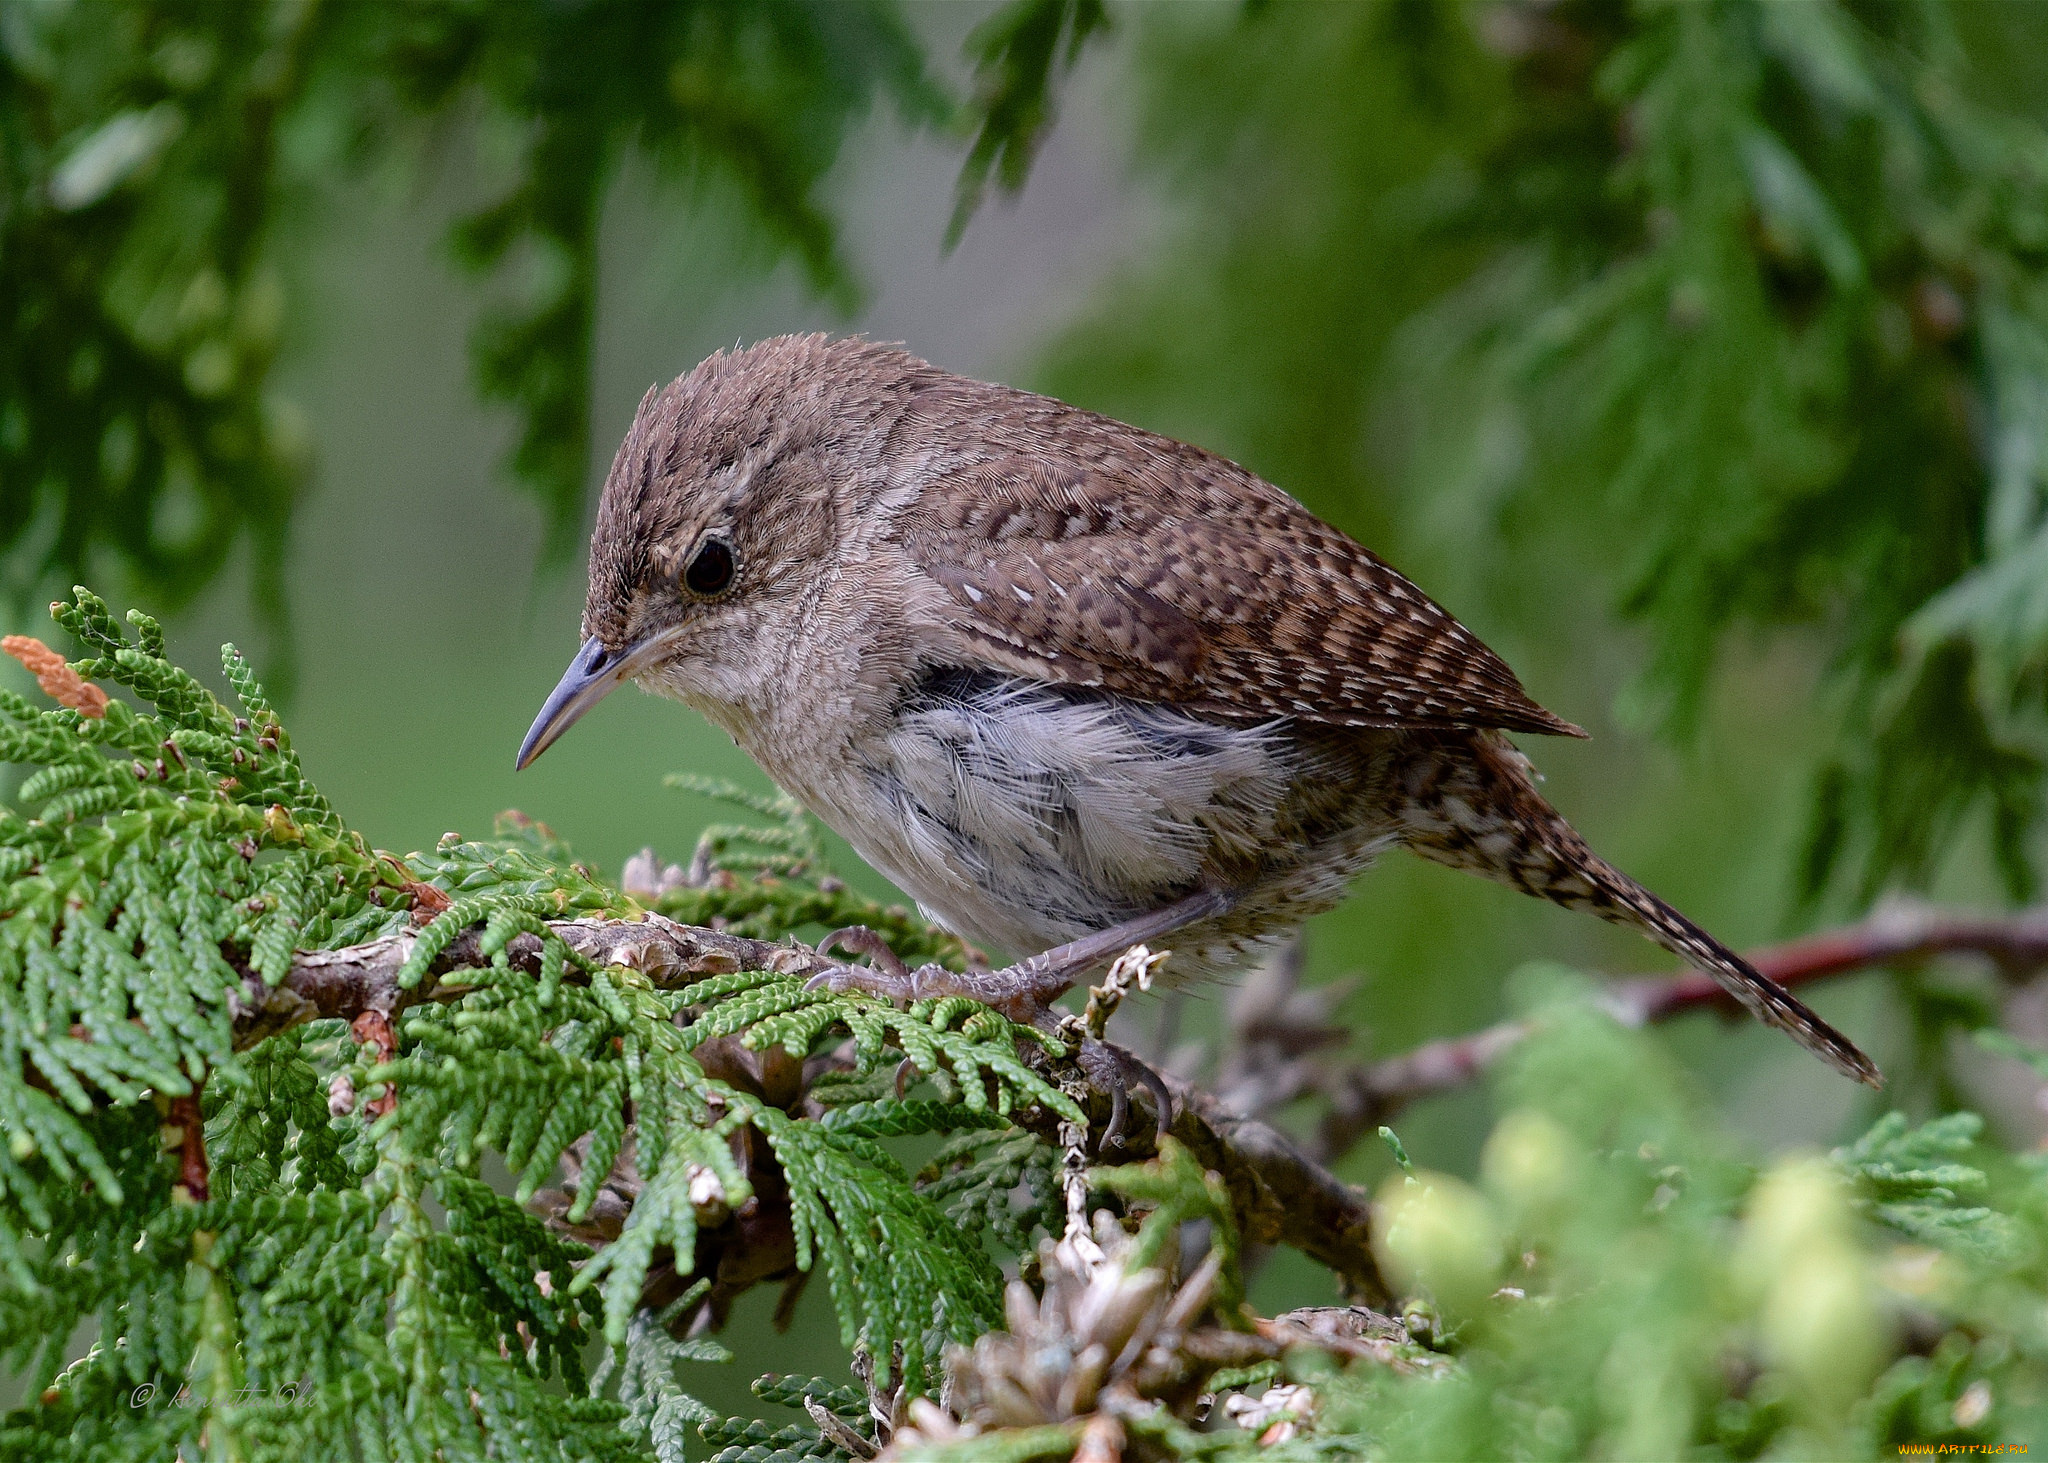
{"x": 1025, "y": 816}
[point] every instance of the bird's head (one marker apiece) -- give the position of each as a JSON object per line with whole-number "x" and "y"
{"x": 722, "y": 503}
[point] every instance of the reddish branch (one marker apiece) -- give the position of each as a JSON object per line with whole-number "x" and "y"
{"x": 2017, "y": 944}
{"x": 186, "y": 1128}
{"x": 372, "y": 1028}
{"x": 1366, "y": 1096}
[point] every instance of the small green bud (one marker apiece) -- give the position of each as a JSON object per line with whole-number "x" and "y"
{"x": 1821, "y": 1323}
{"x": 259, "y": 313}
{"x": 1818, "y": 1311}
{"x": 1531, "y": 1164}
{"x": 210, "y": 368}
{"x": 1799, "y": 1207}
{"x": 1439, "y": 1233}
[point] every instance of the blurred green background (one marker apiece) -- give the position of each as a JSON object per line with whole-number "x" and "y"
{"x": 1327, "y": 240}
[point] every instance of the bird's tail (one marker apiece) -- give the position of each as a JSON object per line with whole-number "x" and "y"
{"x": 1481, "y": 812}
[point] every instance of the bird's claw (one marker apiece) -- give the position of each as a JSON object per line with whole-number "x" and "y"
{"x": 1018, "y": 992}
{"x": 900, "y": 984}
{"x": 1109, "y": 1066}
{"x": 1113, "y": 1069}
{"x": 887, "y": 976}
{"x": 860, "y": 940}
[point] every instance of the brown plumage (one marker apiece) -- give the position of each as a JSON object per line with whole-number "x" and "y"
{"x": 1070, "y": 684}
{"x": 1156, "y": 570}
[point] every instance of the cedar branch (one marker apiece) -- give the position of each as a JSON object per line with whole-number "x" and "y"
{"x": 1282, "y": 1194}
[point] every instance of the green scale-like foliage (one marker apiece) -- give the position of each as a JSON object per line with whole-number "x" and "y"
{"x": 351, "y": 1285}
{"x": 1621, "y": 1282}
{"x": 978, "y": 1175}
{"x": 175, "y": 854}
{"x": 750, "y": 1440}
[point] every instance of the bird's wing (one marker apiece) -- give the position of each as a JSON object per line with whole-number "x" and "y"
{"x": 1173, "y": 575}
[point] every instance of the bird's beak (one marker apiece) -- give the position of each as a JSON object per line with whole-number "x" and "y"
{"x": 594, "y": 674}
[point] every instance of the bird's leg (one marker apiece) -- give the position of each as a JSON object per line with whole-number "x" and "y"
{"x": 1025, "y": 991}
{"x": 860, "y": 940}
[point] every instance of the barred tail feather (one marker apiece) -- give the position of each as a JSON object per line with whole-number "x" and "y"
{"x": 1761, "y": 996}
{"x": 1471, "y": 802}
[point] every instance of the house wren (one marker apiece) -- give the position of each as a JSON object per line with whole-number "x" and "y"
{"x": 1069, "y": 684}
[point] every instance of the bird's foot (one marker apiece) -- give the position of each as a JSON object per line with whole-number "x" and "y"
{"x": 1116, "y": 1071}
{"x": 860, "y": 940}
{"x": 1022, "y": 992}
{"x": 1109, "y": 1067}
{"x": 1025, "y": 991}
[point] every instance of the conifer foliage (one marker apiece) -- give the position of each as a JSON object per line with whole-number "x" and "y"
{"x": 494, "y": 1214}
{"x": 326, "y": 1271}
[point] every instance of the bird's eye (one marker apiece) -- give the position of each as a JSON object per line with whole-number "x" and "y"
{"x": 711, "y": 568}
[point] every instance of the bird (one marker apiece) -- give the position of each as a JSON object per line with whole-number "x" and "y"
{"x": 1069, "y": 684}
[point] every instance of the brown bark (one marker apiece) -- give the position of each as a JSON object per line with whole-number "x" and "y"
{"x": 185, "y": 1120}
